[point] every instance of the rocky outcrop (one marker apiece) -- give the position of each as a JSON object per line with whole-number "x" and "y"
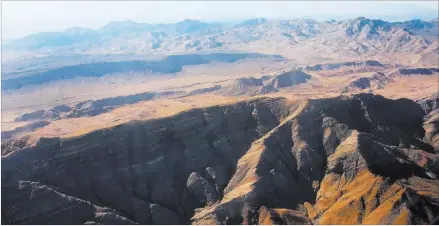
{"x": 290, "y": 78}
{"x": 431, "y": 120}
{"x": 376, "y": 81}
{"x": 344, "y": 160}
{"x": 379, "y": 80}
{"x": 35, "y": 203}
{"x": 266, "y": 84}
{"x": 202, "y": 191}
{"x": 204, "y": 90}
{"x": 130, "y": 167}
{"x": 243, "y": 86}
{"x": 414, "y": 72}
{"x": 51, "y": 114}
{"x": 334, "y": 66}
{"x": 298, "y": 177}
{"x": 429, "y": 104}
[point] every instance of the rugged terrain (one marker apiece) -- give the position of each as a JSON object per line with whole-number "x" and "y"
{"x": 301, "y": 40}
{"x": 343, "y": 160}
{"x": 84, "y": 106}
{"x": 257, "y": 122}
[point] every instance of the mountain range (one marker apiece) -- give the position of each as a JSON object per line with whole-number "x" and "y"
{"x": 360, "y": 37}
{"x": 253, "y": 122}
{"x": 344, "y": 160}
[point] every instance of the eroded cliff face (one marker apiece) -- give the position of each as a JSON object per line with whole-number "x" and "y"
{"x": 345, "y": 160}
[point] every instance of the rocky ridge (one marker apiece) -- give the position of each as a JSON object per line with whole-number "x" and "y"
{"x": 344, "y": 160}
{"x": 369, "y": 38}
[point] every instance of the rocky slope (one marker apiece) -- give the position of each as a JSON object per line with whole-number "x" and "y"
{"x": 379, "y": 79}
{"x": 334, "y": 66}
{"x": 345, "y": 160}
{"x": 376, "y": 81}
{"x": 265, "y": 84}
{"x": 431, "y": 120}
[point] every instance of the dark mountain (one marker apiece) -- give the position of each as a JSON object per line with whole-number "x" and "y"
{"x": 343, "y": 160}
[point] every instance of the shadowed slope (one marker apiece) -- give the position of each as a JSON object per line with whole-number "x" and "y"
{"x": 262, "y": 161}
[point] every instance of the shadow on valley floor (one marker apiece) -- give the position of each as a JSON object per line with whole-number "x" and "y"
{"x": 170, "y": 64}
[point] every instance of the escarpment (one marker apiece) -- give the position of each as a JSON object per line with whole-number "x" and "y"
{"x": 343, "y": 160}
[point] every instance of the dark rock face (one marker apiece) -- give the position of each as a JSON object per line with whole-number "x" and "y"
{"x": 422, "y": 71}
{"x": 35, "y": 203}
{"x": 431, "y": 120}
{"x": 203, "y": 192}
{"x": 295, "y": 157}
{"x": 120, "y": 169}
{"x": 362, "y": 83}
{"x": 414, "y": 72}
{"x": 162, "y": 215}
{"x": 252, "y": 162}
{"x": 430, "y": 104}
{"x": 289, "y": 79}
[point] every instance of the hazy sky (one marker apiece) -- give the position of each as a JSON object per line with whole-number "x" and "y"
{"x": 22, "y": 18}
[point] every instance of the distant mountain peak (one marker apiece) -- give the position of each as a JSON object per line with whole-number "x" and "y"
{"x": 189, "y": 26}
{"x": 369, "y": 26}
{"x": 77, "y": 30}
{"x": 253, "y": 22}
{"x": 189, "y": 21}
{"x": 125, "y": 23}
{"x": 418, "y": 24}
{"x": 190, "y": 34}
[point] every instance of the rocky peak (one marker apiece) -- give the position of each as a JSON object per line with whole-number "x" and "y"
{"x": 364, "y": 25}
{"x": 253, "y": 22}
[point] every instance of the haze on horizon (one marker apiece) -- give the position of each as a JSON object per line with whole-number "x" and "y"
{"x": 24, "y": 18}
